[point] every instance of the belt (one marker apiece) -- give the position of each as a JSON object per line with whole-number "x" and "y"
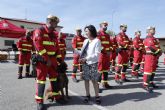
{"x": 26, "y": 51}
{"x": 104, "y": 53}
{"x": 123, "y": 49}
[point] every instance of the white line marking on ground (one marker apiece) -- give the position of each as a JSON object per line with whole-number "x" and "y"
{"x": 90, "y": 102}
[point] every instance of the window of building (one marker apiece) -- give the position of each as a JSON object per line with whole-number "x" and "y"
{"x": 9, "y": 42}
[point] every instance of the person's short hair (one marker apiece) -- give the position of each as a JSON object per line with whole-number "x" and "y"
{"x": 92, "y": 30}
{"x": 123, "y": 25}
{"x": 52, "y": 18}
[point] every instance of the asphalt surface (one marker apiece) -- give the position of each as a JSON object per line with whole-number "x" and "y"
{"x": 18, "y": 94}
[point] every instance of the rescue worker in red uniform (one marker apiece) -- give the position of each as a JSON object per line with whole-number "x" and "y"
{"x": 48, "y": 55}
{"x": 77, "y": 43}
{"x": 158, "y": 46}
{"x": 137, "y": 54}
{"x": 25, "y": 47}
{"x": 113, "y": 53}
{"x": 62, "y": 44}
{"x": 103, "y": 64}
{"x": 142, "y": 62}
{"x": 152, "y": 52}
{"x": 131, "y": 51}
{"x": 123, "y": 47}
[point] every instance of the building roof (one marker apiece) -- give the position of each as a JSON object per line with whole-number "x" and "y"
{"x": 25, "y": 21}
{"x": 161, "y": 38}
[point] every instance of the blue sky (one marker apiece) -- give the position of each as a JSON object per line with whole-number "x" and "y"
{"x": 137, "y": 14}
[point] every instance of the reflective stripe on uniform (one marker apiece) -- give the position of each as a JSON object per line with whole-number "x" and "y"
{"x": 55, "y": 93}
{"x": 53, "y": 79}
{"x": 75, "y": 64}
{"x": 48, "y": 43}
{"x": 145, "y": 83}
{"x": 104, "y": 81}
{"x": 62, "y": 48}
{"x": 149, "y": 52}
{"x": 147, "y": 73}
{"x": 20, "y": 65}
{"x": 42, "y": 52}
{"x": 80, "y": 43}
{"x": 126, "y": 41}
{"x": 125, "y": 46}
{"x": 41, "y": 82}
{"x": 107, "y": 48}
{"x": 102, "y": 36}
{"x": 58, "y": 56}
{"x": 135, "y": 63}
{"x": 28, "y": 45}
{"x": 103, "y": 71}
{"x": 157, "y": 51}
{"x": 104, "y": 42}
{"x": 51, "y": 53}
{"x": 125, "y": 64}
{"x": 26, "y": 50}
{"x": 37, "y": 97}
{"x": 46, "y": 35}
{"x": 119, "y": 65}
{"x": 156, "y": 45}
{"x": 61, "y": 44}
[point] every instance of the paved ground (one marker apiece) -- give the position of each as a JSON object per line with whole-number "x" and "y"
{"x": 19, "y": 94}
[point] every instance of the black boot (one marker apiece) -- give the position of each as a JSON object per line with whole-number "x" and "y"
{"x": 20, "y": 68}
{"x": 19, "y": 76}
{"x": 40, "y": 106}
{"x": 148, "y": 89}
{"x": 27, "y": 71}
{"x": 154, "y": 85}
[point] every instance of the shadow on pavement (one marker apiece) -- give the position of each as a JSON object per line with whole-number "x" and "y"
{"x": 4, "y": 61}
{"x": 114, "y": 99}
{"x": 73, "y": 101}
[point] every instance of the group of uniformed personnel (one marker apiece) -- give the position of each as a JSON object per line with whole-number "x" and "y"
{"x": 50, "y": 50}
{"x": 126, "y": 51}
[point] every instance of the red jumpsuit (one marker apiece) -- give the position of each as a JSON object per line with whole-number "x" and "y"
{"x": 103, "y": 64}
{"x": 77, "y": 43}
{"x": 113, "y": 53}
{"x": 123, "y": 56}
{"x": 62, "y": 46}
{"x": 143, "y": 60}
{"x": 152, "y": 52}
{"x": 25, "y": 48}
{"x": 137, "y": 54}
{"x": 46, "y": 45}
{"x": 131, "y": 52}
